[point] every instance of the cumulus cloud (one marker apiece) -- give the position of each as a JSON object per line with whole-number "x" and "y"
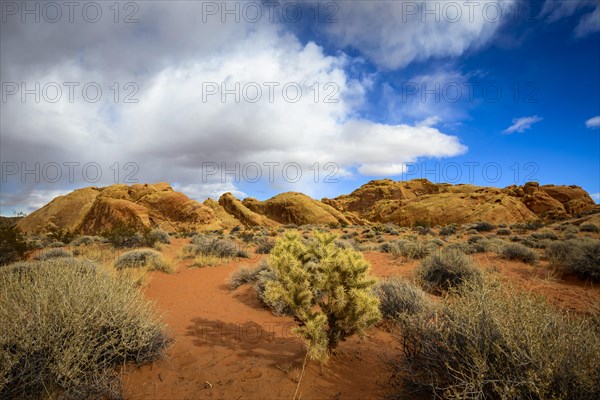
{"x": 395, "y": 33}
{"x": 251, "y": 94}
{"x": 522, "y": 124}
{"x": 593, "y": 122}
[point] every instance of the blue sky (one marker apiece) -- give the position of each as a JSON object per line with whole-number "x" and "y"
{"x": 483, "y": 98}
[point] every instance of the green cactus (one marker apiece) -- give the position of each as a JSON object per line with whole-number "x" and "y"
{"x": 327, "y": 288}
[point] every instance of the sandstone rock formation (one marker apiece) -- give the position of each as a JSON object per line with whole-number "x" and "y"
{"x": 296, "y": 208}
{"x": 92, "y": 210}
{"x": 243, "y": 214}
{"x": 420, "y": 201}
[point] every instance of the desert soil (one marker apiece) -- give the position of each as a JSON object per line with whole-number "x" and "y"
{"x": 228, "y": 346}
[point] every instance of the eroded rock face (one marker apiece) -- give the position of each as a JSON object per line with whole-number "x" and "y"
{"x": 239, "y": 211}
{"x": 420, "y": 201}
{"x": 92, "y": 210}
{"x": 296, "y": 208}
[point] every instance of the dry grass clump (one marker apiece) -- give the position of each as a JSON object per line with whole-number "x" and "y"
{"x": 87, "y": 240}
{"x": 143, "y": 258}
{"x": 397, "y": 296}
{"x": 589, "y": 227}
{"x": 577, "y": 256}
{"x": 516, "y": 251}
{"x": 215, "y": 246}
{"x": 445, "y": 270}
{"x": 245, "y": 275}
{"x": 66, "y": 326}
{"x": 409, "y": 249}
{"x": 52, "y": 253}
{"x": 264, "y": 245}
{"x": 492, "y": 342}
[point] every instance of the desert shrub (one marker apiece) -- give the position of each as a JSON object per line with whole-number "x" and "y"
{"x": 235, "y": 229}
{"x": 122, "y": 235}
{"x": 503, "y": 232}
{"x": 548, "y": 235}
{"x": 247, "y": 236}
{"x": 390, "y": 229}
{"x": 472, "y": 232}
{"x": 485, "y": 245}
{"x": 61, "y": 235}
{"x": 576, "y": 256}
{"x": 448, "y": 269}
{"x": 52, "y": 253}
{"x": 449, "y": 230}
{"x": 143, "y": 258}
{"x": 327, "y": 288}
{"x": 397, "y": 296}
{"x": 87, "y": 240}
{"x": 245, "y": 275}
{"x": 157, "y": 236}
{"x": 589, "y": 227}
{"x": 13, "y": 246}
{"x": 264, "y": 245}
{"x": 241, "y": 277}
{"x": 516, "y": 251}
{"x": 216, "y": 246}
{"x": 70, "y": 325}
{"x": 529, "y": 226}
{"x": 349, "y": 235}
{"x": 492, "y": 342}
{"x": 484, "y": 227}
{"x": 568, "y": 229}
{"x": 411, "y": 250}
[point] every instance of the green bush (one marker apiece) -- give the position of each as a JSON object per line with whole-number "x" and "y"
{"x": 516, "y": 251}
{"x": 70, "y": 326}
{"x": 445, "y": 270}
{"x": 327, "y": 288}
{"x": 143, "y": 258}
{"x": 397, "y": 296}
{"x": 492, "y": 342}
{"x": 13, "y": 246}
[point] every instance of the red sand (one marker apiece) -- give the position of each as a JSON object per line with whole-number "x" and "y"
{"x": 228, "y": 346}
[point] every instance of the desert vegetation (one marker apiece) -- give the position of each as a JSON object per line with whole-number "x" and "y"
{"x": 492, "y": 341}
{"x": 71, "y": 324}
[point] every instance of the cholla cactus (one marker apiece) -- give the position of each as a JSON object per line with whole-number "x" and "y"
{"x": 327, "y": 288}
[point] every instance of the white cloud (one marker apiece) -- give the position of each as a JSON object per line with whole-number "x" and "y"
{"x": 589, "y": 23}
{"x": 596, "y": 197}
{"x": 522, "y": 124}
{"x": 175, "y": 128}
{"x": 593, "y": 122}
{"x": 555, "y": 10}
{"x": 395, "y": 33}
